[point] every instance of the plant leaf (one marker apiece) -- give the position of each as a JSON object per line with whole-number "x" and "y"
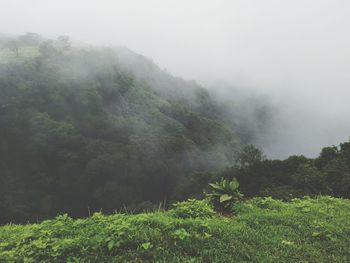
{"x": 215, "y": 186}
{"x": 110, "y": 245}
{"x": 225, "y": 198}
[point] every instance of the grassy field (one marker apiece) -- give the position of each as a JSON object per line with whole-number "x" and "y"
{"x": 263, "y": 230}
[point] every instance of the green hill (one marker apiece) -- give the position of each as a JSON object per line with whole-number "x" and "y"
{"x": 99, "y": 128}
{"x": 263, "y": 230}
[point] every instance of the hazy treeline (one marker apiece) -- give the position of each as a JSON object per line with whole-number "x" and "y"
{"x": 17, "y": 44}
{"x": 296, "y": 176}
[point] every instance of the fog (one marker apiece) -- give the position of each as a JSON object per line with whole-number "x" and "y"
{"x": 295, "y": 53}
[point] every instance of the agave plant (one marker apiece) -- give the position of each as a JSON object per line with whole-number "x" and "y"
{"x": 224, "y": 193}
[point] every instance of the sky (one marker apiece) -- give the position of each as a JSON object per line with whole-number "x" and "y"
{"x": 296, "y": 52}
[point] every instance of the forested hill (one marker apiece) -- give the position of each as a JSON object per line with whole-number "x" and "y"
{"x": 82, "y": 129}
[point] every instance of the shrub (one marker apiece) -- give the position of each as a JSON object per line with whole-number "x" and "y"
{"x": 192, "y": 208}
{"x": 224, "y": 194}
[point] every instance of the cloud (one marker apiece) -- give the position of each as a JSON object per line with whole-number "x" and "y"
{"x": 297, "y": 52}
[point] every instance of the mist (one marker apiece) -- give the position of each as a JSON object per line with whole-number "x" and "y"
{"x": 293, "y": 53}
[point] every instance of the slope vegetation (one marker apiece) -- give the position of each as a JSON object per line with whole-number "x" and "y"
{"x": 264, "y": 230}
{"x": 80, "y": 131}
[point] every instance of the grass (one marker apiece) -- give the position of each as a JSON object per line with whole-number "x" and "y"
{"x": 7, "y": 56}
{"x": 263, "y": 230}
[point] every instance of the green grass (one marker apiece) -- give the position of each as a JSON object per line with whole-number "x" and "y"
{"x": 7, "y": 56}
{"x": 263, "y": 230}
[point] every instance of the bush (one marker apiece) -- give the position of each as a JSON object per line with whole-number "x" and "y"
{"x": 192, "y": 208}
{"x": 224, "y": 194}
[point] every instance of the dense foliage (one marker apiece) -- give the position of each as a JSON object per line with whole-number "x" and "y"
{"x": 192, "y": 208}
{"x": 89, "y": 129}
{"x": 82, "y": 132}
{"x": 296, "y": 176}
{"x": 264, "y": 230}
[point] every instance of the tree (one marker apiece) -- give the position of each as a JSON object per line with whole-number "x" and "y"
{"x": 14, "y": 46}
{"x": 64, "y": 42}
{"x": 308, "y": 180}
{"x": 250, "y": 155}
{"x": 327, "y": 155}
{"x": 47, "y": 49}
{"x": 30, "y": 39}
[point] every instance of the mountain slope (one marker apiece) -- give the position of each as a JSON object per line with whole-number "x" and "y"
{"x": 82, "y": 131}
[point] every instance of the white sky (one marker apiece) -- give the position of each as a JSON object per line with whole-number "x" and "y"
{"x": 297, "y": 51}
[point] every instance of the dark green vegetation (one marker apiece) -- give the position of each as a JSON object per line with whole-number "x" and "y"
{"x": 223, "y": 193}
{"x": 90, "y": 129}
{"x": 297, "y": 176}
{"x": 85, "y": 129}
{"x": 263, "y": 230}
{"x": 82, "y": 132}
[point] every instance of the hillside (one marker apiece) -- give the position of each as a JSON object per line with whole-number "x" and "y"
{"x": 98, "y": 145}
{"x": 263, "y": 230}
{"x": 98, "y": 128}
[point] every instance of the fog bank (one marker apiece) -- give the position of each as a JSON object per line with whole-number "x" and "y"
{"x": 296, "y": 53}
